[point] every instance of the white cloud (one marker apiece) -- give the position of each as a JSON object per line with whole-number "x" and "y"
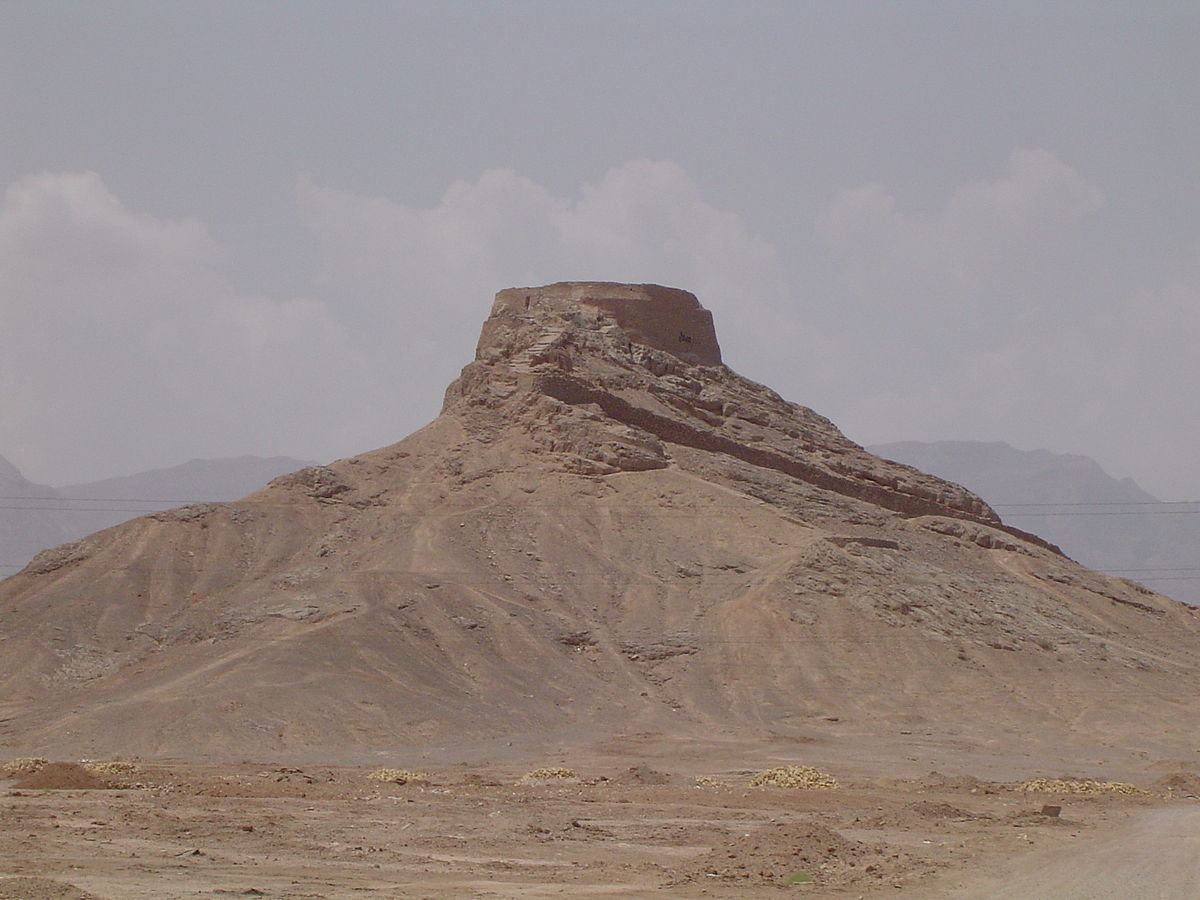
{"x": 429, "y": 273}
{"x": 122, "y": 344}
{"x": 987, "y": 239}
{"x": 123, "y": 347}
{"x": 968, "y": 325}
{"x": 1138, "y": 368}
{"x": 643, "y": 221}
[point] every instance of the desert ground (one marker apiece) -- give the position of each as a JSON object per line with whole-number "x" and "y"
{"x": 643, "y": 816}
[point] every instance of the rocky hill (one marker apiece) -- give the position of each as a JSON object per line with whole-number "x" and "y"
{"x": 606, "y": 532}
{"x": 1103, "y": 522}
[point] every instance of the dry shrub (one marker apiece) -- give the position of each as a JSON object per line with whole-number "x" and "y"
{"x": 25, "y": 765}
{"x": 705, "y": 781}
{"x": 1074, "y": 786}
{"x": 805, "y": 777}
{"x": 120, "y": 769}
{"x": 397, "y": 776}
{"x": 547, "y": 773}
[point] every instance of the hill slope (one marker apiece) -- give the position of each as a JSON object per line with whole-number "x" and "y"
{"x": 1117, "y": 528}
{"x": 606, "y": 532}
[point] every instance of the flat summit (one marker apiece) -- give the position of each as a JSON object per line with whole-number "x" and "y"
{"x": 606, "y": 532}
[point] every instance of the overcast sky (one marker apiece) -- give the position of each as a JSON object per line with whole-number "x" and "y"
{"x": 275, "y": 228}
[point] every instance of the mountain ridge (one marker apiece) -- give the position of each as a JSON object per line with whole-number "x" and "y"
{"x": 1138, "y": 541}
{"x": 43, "y": 517}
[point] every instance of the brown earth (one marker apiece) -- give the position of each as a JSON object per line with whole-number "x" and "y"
{"x": 261, "y": 829}
{"x": 63, "y": 776}
{"x": 609, "y": 549}
{"x": 40, "y": 889}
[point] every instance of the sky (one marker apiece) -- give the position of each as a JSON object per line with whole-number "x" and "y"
{"x": 273, "y": 228}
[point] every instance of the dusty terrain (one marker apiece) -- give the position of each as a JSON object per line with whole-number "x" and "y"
{"x": 609, "y": 551}
{"x": 670, "y": 825}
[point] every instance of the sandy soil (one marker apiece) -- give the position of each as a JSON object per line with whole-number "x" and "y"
{"x": 1153, "y": 854}
{"x": 633, "y": 825}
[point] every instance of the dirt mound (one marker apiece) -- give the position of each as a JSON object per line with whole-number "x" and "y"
{"x": 1044, "y": 817}
{"x": 64, "y": 776}
{"x": 933, "y": 811}
{"x": 803, "y": 851}
{"x": 1186, "y": 784}
{"x": 26, "y": 888}
{"x": 921, "y": 813}
{"x": 642, "y": 775}
{"x": 936, "y": 781}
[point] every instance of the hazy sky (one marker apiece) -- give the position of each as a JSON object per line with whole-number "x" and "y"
{"x": 275, "y": 228}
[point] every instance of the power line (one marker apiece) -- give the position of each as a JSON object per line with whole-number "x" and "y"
{"x": 1099, "y": 503}
{"x": 561, "y": 576}
{"x": 999, "y": 505}
{"x": 680, "y": 514}
{"x": 83, "y": 509}
{"x": 644, "y": 645}
{"x": 1164, "y": 578}
{"x": 109, "y": 499}
{"x": 698, "y": 662}
{"x": 1135, "y": 512}
{"x": 1155, "y": 569}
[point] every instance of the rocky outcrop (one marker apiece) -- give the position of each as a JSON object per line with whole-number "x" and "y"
{"x": 636, "y": 369}
{"x": 666, "y": 319}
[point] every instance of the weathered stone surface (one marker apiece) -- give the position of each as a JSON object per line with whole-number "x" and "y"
{"x": 660, "y": 317}
{"x": 615, "y": 351}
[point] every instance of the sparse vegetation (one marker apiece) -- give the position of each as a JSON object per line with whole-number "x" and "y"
{"x": 25, "y": 765}
{"x": 121, "y": 769}
{"x": 548, "y": 773}
{"x": 1078, "y": 786}
{"x": 803, "y": 777}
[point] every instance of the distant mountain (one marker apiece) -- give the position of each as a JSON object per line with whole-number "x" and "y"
{"x": 201, "y": 480}
{"x": 1142, "y": 541}
{"x": 34, "y": 517}
{"x": 26, "y": 529}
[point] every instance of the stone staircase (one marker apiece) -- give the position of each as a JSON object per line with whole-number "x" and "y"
{"x": 525, "y": 360}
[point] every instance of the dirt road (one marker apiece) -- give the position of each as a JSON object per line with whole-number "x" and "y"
{"x": 1152, "y": 855}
